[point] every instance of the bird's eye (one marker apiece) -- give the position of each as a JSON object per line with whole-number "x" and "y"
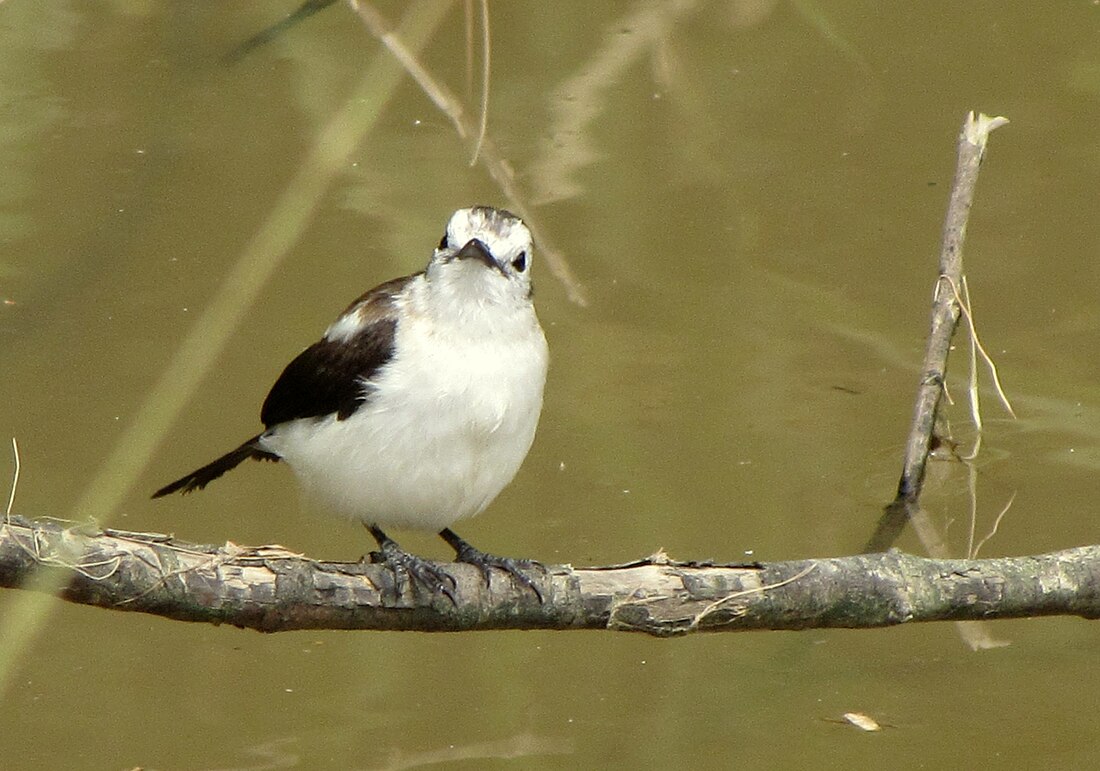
{"x": 442, "y": 242}
{"x": 520, "y": 263}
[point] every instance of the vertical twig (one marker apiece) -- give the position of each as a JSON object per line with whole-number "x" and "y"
{"x": 945, "y": 308}
{"x": 14, "y": 480}
{"x": 945, "y": 316}
{"x": 468, "y": 18}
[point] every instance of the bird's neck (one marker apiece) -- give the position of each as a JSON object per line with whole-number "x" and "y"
{"x": 471, "y": 308}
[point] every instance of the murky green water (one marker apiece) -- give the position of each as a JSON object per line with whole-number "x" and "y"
{"x": 751, "y": 195}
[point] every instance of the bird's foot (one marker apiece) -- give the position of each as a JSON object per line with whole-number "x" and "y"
{"x": 464, "y": 552}
{"x": 404, "y": 566}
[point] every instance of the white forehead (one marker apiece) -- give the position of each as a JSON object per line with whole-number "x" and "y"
{"x": 501, "y": 231}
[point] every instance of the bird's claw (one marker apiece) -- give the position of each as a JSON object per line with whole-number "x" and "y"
{"x": 513, "y": 567}
{"x": 422, "y": 573}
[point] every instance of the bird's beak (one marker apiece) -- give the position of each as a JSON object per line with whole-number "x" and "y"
{"x": 476, "y": 250}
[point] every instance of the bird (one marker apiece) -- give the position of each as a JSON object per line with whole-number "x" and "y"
{"x": 419, "y": 403}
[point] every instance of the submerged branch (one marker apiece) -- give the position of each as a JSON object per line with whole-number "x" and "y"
{"x": 270, "y": 589}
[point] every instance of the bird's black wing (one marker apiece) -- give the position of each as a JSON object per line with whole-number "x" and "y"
{"x": 329, "y": 377}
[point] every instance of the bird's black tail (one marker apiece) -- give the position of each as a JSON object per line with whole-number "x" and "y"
{"x": 200, "y": 478}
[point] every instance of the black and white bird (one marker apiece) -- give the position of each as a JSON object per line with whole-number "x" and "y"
{"x": 420, "y": 402}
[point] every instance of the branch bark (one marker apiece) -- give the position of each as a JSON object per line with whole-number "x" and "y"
{"x": 270, "y": 589}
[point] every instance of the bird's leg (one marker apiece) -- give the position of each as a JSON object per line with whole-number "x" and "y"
{"x": 464, "y": 552}
{"x": 405, "y": 565}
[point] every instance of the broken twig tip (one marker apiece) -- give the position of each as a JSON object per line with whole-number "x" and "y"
{"x": 976, "y": 130}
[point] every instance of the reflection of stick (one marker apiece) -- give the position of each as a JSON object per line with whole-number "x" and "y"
{"x": 580, "y": 99}
{"x": 265, "y": 36}
{"x": 499, "y": 169}
{"x": 483, "y": 124}
{"x": 945, "y": 317}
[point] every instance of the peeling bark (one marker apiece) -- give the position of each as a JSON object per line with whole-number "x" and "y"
{"x": 271, "y": 589}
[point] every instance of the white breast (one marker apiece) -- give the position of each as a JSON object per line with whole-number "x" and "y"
{"x": 445, "y": 427}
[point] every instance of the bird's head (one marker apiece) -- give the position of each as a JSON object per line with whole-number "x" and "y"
{"x": 484, "y": 252}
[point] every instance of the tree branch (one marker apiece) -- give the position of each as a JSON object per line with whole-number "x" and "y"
{"x": 271, "y": 589}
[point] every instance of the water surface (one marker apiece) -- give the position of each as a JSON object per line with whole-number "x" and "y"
{"x": 751, "y": 195}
